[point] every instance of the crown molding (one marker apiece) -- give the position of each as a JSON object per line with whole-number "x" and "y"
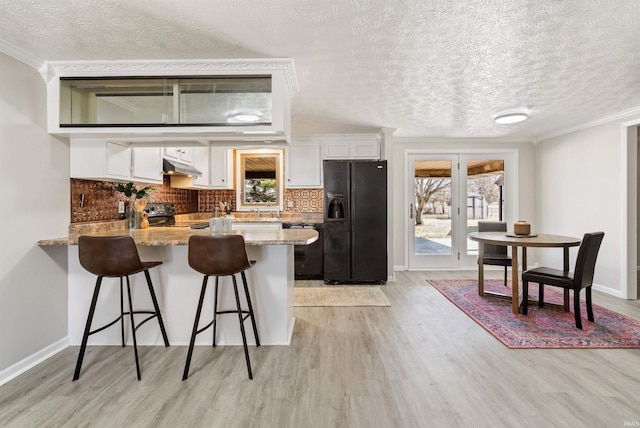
{"x": 461, "y": 140}
{"x": 20, "y": 54}
{"x": 616, "y": 116}
{"x": 341, "y": 138}
{"x": 52, "y": 69}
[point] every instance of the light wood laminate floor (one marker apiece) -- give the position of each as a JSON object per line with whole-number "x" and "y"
{"x": 419, "y": 363}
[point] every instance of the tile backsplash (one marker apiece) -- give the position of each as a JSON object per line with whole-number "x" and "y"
{"x": 101, "y": 199}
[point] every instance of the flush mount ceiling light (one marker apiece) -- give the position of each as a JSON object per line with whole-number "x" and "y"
{"x": 244, "y": 116}
{"x": 511, "y": 116}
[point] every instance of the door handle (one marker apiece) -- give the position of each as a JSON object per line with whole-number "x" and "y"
{"x": 411, "y": 211}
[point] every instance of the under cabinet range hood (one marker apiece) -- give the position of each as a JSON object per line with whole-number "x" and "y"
{"x": 174, "y": 167}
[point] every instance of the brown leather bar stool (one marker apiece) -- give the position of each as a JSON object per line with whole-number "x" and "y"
{"x": 221, "y": 255}
{"x": 115, "y": 257}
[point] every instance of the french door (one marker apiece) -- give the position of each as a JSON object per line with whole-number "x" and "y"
{"x": 447, "y": 194}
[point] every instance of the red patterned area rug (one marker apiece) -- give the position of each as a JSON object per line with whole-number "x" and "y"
{"x": 547, "y": 327}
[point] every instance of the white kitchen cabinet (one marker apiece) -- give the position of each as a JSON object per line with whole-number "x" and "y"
{"x": 98, "y": 159}
{"x": 364, "y": 150}
{"x": 335, "y": 150}
{"x": 74, "y": 106}
{"x": 187, "y": 154}
{"x": 221, "y": 164}
{"x": 146, "y": 164}
{"x": 351, "y": 150}
{"x": 182, "y": 154}
{"x": 118, "y": 160}
{"x": 202, "y": 162}
{"x": 304, "y": 166}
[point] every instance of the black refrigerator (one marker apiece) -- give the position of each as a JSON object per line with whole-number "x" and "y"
{"x": 355, "y": 221}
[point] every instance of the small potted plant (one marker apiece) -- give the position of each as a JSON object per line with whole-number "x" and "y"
{"x": 138, "y": 201}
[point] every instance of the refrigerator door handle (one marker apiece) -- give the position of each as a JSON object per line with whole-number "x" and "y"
{"x": 411, "y": 211}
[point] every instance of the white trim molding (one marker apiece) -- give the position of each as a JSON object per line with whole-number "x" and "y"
{"x": 51, "y": 69}
{"x": 616, "y": 116}
{"x": 20, "y": 54}
{"x": 609, "y": 291}
{"x": 33, "y": 360}
{"x": 628, "y": 209}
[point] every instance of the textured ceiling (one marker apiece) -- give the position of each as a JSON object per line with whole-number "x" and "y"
{"x": 429, "y": 68}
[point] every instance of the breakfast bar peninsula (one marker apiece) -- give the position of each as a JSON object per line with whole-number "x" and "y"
{"x": 177, "y": 286}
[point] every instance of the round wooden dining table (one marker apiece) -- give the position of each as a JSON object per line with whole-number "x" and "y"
{"x": 515, "y": 241}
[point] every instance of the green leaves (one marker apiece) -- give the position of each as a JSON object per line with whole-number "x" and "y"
{"x": 130, "y": 190}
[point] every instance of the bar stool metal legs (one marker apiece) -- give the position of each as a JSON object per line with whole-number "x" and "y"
{"x": 195, "y": 330}
{"x": 220, "y": 256}
{"x": 242, "y": 317}
{"x": 87, "y": 328}
{"x": 250, "y": 306}
{"x": 97, "y": 256}
{"x": 134, "y": 327}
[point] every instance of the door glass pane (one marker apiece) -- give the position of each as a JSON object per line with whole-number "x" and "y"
{"x": 432, "y": 207}
{"x": 485, "y": 182}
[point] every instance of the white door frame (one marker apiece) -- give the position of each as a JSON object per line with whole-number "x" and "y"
{"x": 629, "y": 209}
{"x": 510, "y": 194}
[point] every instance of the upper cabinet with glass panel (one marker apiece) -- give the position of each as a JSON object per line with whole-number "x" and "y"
{"x": 203, "y": 101}
{"x": 249, "y": 104}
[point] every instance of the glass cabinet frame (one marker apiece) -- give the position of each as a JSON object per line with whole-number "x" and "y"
{"x": 165, "y": 101}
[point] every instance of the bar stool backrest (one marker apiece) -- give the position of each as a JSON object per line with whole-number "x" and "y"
{"x": 109, "y": 256}
{"x": 218, "y": 255}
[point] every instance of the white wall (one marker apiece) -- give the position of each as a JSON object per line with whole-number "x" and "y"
{"x": 526, "y": 182}
{"x": 637, "y": 199}
{"x": 579, "y": 190}
{"x": 34, "y": 183}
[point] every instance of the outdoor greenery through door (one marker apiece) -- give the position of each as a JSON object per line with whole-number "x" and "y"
{"x": 451, "y": 193}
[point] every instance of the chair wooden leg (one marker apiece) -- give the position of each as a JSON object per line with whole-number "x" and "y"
{"x": 194, "y": 332}
{"x": 589, "y": 305}
{"x": 244, "y": 335}
{"x": 133, "y": 329}
{"x": 525, "y": 297}
{"x": 576, "y": 308}
{"x": 505, "y": 276}
{"x": 156, "y": 308}
{"x": 541, "y": 295}
{"x": 87, "y": 328}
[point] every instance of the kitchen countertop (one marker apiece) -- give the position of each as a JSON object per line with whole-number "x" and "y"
{"x": 161, "y": 236}
{"x": 168, "y": 236}
{"x": 251, "y": 217}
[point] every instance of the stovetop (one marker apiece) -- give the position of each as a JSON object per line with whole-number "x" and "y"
{"x": 161, "y": 214}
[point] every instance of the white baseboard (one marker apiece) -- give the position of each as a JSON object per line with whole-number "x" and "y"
{"x": 609, "y": 291}
{"x": 32, "y": 360}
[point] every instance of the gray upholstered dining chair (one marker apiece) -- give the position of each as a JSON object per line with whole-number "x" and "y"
{"x": 581, "y": 277}
{"x": 495, "y": 255}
